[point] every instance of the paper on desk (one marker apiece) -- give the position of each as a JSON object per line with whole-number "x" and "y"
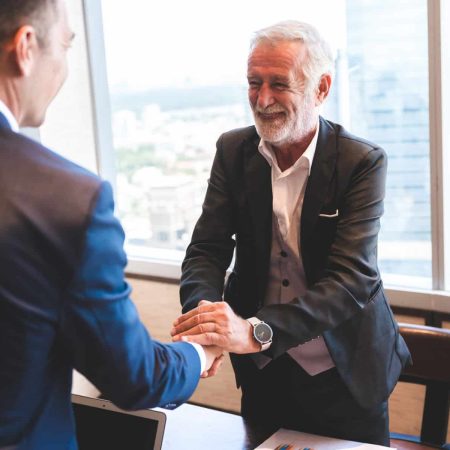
{"x": 312, "y": 441}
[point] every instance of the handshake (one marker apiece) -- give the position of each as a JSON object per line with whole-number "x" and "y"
{"x": 216, "y": 327}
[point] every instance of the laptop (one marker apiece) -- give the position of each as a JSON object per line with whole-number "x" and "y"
{"x": 100, "y": 425}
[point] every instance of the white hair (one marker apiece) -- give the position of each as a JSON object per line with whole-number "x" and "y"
{"x": 319, "y": 57}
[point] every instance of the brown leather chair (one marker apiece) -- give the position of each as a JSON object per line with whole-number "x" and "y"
{"x": 430, "y": 350}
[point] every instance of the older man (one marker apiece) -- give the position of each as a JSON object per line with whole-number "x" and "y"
{"x": 301, "y": 199}
{"x": 64, "y": 302}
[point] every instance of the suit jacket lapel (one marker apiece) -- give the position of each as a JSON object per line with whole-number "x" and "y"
{"x": 258, "y": 188}
{"x": 319, "y": 186}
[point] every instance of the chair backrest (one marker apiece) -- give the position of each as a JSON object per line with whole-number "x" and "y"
{"x": 430, "y": 351}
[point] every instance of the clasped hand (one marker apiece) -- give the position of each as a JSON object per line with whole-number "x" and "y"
{"x": 215, "y": 323}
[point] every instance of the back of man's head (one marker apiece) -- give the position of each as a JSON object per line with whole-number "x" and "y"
{"x": 17, "y": 13}
{"x": 35, "y": 36}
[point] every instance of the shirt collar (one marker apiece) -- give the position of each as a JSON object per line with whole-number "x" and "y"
{"x": 266, "y": 150}
{"x": 9, "y": 117}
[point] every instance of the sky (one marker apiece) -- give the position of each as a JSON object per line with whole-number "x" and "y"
{"x": 198, "y": 42}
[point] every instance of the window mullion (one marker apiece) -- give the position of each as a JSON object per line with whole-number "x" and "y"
{"x": 99, "y": 89}
{"x": 436, "y": 155}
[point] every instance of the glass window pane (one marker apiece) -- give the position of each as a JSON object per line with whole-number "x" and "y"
{"x": 177, "y": 81}
{"x": 388, "y": 75}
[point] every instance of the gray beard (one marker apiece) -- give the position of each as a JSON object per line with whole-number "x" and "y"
{"x": 284, "y": 132}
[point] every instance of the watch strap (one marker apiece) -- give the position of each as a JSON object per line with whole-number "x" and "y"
{"x": 254, "y": 321}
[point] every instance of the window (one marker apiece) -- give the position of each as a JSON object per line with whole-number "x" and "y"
{"x": 177, "y": 81}
{"x": 388, "y": 74}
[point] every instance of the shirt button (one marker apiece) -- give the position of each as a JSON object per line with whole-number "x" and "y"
{"x": 285, "y": 282}
{"x": 283, "y": 254}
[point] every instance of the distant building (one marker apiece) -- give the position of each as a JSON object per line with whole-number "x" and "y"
{"x": 125, "y": 126}
{"x": 173, "y": 208}
{"x": 388, "y": 74}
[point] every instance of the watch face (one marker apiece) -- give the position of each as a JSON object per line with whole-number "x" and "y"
{"x": 263, "y": 333}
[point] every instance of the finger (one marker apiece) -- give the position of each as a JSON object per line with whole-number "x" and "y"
{"x": 209, "y": 306}
{"x": 195, "y": 321}
{"x": 204, "y": 302}
{"x": 209, "y": 327}
{"x": 209, "y": 338}
{"x": 215, "y": 366}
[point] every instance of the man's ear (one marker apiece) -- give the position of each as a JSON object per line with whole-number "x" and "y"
{"x": 22, "y": 48}
{"x": 323, "y": 88}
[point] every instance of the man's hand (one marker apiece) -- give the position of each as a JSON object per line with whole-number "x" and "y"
{"x": 215, "y": 323}
{"x": 214, "y": 359}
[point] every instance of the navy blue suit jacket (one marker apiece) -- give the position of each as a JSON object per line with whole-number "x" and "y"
{"x": 64, "y": 302}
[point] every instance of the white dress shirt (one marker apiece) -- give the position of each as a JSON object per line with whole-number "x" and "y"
{"x": 9, "y": 117}
{"x": 201, "y": 355}
{"x": 287, "y": 280}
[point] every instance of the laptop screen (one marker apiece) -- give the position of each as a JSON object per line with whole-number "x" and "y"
{"x": 107, "y": 427}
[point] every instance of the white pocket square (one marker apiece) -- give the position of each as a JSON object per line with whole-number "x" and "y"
{"x": 330, "y": 216}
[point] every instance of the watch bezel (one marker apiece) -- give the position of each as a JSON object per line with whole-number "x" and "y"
{"x": 264, "y": 325}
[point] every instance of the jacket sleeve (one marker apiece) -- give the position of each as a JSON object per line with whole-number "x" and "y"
{"x": 104, "y": 335}
{"x": 210, "y": 252}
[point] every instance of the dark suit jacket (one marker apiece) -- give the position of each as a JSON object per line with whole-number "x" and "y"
{"x": 345, "y": 300}
{"x": 64, "y": 303}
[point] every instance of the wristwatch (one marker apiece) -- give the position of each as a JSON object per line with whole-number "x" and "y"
{"x": 261, "y": 332}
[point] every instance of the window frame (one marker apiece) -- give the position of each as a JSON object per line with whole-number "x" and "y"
{"x": 95, "y": 48}
{"x": 436, "y": 299}
{"x": 436, "y": 145}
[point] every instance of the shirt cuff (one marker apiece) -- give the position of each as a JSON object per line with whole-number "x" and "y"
{"x": 201, "y": 355}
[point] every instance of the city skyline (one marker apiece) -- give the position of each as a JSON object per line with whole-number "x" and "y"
{"x": 376, "y": 95}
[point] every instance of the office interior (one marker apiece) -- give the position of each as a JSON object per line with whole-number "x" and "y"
{"x": 392, "y": 67}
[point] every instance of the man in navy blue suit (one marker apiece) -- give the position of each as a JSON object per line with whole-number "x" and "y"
{"x": 64, "y": 302}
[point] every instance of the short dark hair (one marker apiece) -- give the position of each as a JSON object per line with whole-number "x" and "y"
{"x": 16, "y": 13}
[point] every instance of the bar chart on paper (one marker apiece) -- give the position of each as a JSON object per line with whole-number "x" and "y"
{"x": 294, "y": 440}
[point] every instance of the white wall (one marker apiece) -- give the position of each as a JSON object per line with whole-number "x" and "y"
{"x": 69, "y": 126}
